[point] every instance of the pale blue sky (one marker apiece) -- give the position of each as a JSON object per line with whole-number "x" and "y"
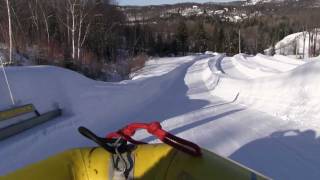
{"x": 157, "y": 2}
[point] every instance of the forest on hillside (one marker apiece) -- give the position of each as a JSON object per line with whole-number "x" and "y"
{"x": 96, "y": 38}
{"x": 266, "y": 25}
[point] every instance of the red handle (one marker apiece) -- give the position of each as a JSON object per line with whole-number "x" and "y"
{"x": 155, "y": 129}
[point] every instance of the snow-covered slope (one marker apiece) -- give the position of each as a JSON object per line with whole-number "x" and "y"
{"x": 282, "y": 88}
{"x": 260, "y": 111}
{"x": 299, "y": 44}
{"x": 254, "y": 2}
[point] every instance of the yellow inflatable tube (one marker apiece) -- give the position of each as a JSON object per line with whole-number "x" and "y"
{"x": 154, "y": 161}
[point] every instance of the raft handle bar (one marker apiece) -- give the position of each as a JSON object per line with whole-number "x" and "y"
{"x": 155, "y": 129}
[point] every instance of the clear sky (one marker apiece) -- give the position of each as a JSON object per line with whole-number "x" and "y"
{"x": 157, "y": 2}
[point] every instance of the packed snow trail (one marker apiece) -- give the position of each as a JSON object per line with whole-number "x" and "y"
{"x": 182, "y": 93}
{"x": 260, "y": 141}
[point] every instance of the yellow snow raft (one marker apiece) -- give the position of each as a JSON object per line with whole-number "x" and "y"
{"x": 156, "y": 161}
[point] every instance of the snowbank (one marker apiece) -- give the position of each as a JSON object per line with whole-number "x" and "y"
{"x": 102, "y": 107}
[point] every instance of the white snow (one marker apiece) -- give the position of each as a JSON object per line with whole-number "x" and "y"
{"x": 280, "y": 88}
{"x": 260, "y": 111}
{"x": 254, "y": 2}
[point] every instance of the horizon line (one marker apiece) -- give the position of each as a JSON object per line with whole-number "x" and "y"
{"x": 174, "y": 3}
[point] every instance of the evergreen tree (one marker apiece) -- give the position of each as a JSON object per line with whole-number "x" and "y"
{"x": 182, "y": 37}
{"x": 220, "y": 43}
{"x": 159, "y": 45}
{"x": 201, "y": 38}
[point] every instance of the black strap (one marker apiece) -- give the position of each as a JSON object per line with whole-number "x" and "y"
{"x": 107, "y": 144}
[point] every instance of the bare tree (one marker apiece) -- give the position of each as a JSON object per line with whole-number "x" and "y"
{"x": 310, "y": 36}
{"x": 66, "y": 10}
{"x": 10, "y": 31}
{"x": 45, "y": 17}
{"x": 72, "y": 9}
{"x": 83, "y": 29}
{"x": 315, "y": 40}
{"x": 77, "y": 20}
{"x": 304, "y": 44}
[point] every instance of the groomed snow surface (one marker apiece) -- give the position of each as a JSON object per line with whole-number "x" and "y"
{"x": 258, "y": 110}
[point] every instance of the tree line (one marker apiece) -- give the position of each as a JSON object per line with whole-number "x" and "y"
{"x": 77, "y": 34}
{"x": 179, "y": 35}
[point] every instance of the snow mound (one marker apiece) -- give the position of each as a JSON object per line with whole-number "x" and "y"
{"x": 211, "y": 53}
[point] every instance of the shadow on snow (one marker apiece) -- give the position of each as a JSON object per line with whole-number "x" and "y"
{"x": 294, "y": 154}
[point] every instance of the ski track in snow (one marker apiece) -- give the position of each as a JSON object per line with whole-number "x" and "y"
{"x": 208, "y": 99}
